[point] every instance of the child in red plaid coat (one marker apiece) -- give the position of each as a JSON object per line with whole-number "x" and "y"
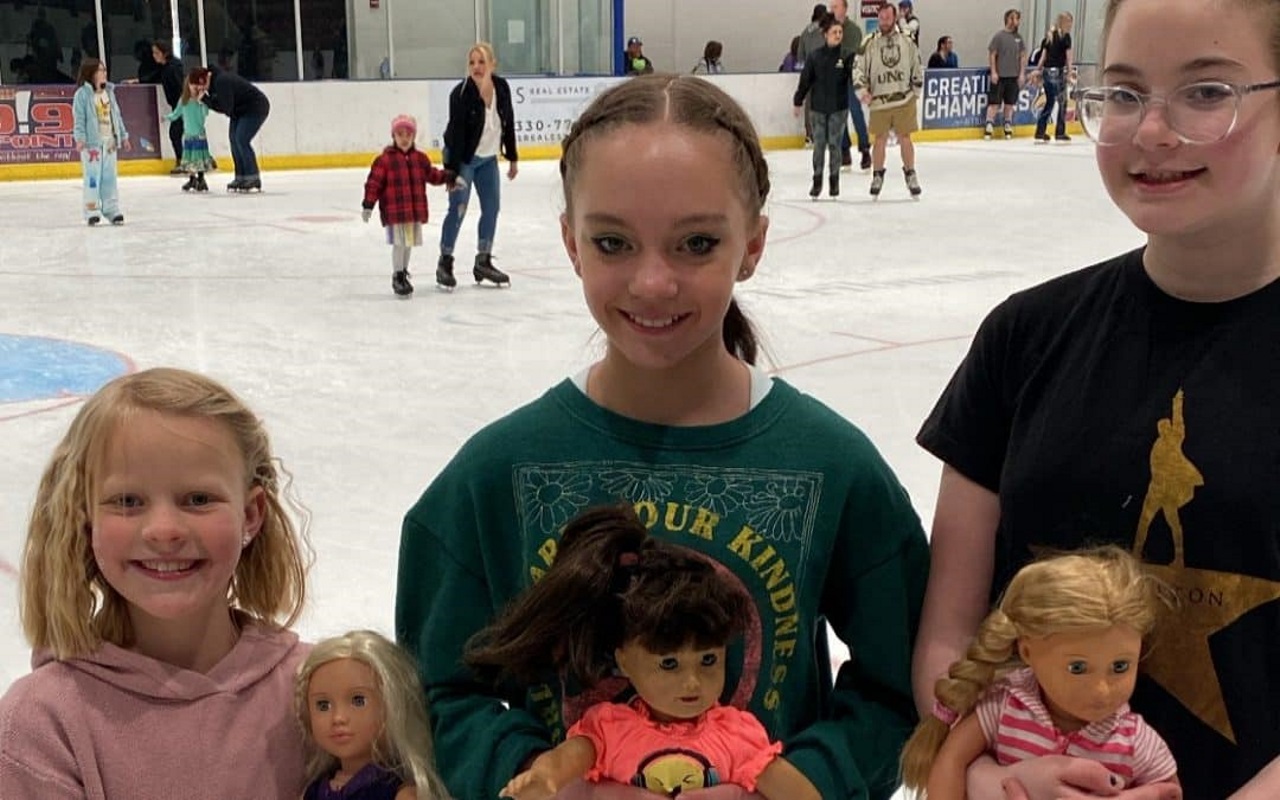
{"x": 397, "y": 183}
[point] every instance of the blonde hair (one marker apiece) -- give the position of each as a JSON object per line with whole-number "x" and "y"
{"x": 487, "y": 50}
{"x": 405, "y": 745}
{"x": 1069, "y": 593}
{"x": 1269, "y": 8}
{"x": 65, "y": 603}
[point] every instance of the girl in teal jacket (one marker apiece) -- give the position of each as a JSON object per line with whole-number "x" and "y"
{"x": 99, "y": 133}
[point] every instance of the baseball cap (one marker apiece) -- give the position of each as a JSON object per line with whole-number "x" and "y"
{"x": 634, "y": 40}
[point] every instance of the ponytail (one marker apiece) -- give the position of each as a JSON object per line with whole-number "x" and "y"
{"x": 739, "y": 335}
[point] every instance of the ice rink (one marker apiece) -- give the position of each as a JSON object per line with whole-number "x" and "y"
{"x": 286, "y": 297}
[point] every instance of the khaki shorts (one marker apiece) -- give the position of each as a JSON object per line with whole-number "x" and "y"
{"x": 901, "y": 119}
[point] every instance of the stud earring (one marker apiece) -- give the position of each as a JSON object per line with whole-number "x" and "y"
{"x": 244, "y": 541}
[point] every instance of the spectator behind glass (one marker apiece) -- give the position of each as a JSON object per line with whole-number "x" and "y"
{"x": 635, "y": 61}
{"x": 710, "y": 64}
{"x": 793, "y": 61}
{"x": 944, "y": 57}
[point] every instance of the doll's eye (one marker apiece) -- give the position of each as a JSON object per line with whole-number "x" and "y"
{"x": 710, "y": 659}
{"x": 1120, "y": 667}
{"x": 358, "y": 700}
{"x": 669, "y": 663}
{"x": 1077, "y": 668}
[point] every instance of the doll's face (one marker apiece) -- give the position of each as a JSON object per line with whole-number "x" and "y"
{"x": 677, "y": 685}
{"x": 346, "y": 712}
{"x": 1084, "y": 676}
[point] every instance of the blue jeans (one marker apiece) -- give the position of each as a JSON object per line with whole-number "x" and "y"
{"x": 100, "y": 196}
{"x": 1053, "y": 83}
{"x": 859, "y": 124}
{"x": 480, "y": 173}
{"x": 243, "y": 129}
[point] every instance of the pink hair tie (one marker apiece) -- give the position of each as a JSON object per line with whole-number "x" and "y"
{"x": 947, "y": 715}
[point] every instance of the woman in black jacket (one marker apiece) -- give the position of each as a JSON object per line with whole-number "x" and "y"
{"x": 248, "y": 108}
{"x": 481, "y": 124}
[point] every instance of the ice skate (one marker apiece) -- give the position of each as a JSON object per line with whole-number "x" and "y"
{"x": 816, "y": 188}
{"x": 484, "y": 270}
{"x": 190, "y": 185}
{"x": 877, "y": 182}
{"x": 444, "y": 274}
{"x": 400, "y": 283}
{"x": 118, "y": 219}
{"x": 1008, "y": 131}
{"x": 866, "y": 161}
{"x": 913, "y": 183}
{"x": 201, "y": 185}
{"x": 833, "y": 185}
{"x": 988, "y": 131}
{"x": 236, "y": 185}
{"x": 94, "y": 220}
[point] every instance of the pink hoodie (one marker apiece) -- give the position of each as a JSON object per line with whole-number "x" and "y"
{"x": 121, "y": 726}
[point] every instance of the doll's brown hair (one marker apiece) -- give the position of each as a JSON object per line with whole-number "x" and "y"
{"x": 611, "y": 583}
{"x": 405, "y": 744}
{"x": 1069, "y": 593}
{"x": 65, "y": 603}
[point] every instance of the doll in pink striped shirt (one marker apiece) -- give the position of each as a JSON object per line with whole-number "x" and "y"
{"x": 1050, "y": 672}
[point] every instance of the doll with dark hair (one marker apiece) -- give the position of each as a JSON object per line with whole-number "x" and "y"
{"x": 661, "y": 616}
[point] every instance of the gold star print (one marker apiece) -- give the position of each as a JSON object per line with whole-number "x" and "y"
{"x": 1179, "y": 657}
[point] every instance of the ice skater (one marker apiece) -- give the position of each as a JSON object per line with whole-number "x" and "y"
{"x": 99, "y": 133}
{"x": 196, "y": 159}
{"x": 397, "y": 184}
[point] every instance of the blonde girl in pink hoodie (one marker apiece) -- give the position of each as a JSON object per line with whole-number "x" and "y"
{"x": 160, "y": 573}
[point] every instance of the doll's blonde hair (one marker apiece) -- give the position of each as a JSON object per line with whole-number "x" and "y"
{"x": 1070, "y": 593}
{"x": 65, "y": 603}
{"x": 405, "y": 744}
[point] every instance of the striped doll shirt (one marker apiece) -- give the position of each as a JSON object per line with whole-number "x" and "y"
{"x": 1017, "y": 727}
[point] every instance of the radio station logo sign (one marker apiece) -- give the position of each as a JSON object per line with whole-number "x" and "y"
{"x": 37, "y": 124}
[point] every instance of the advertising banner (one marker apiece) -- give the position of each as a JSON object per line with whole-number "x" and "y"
{"x": 36, "y": 123}
{"x": 545, "y": 108}
{"x": 957, "y": 98}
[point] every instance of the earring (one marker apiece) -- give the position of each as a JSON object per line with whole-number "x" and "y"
{"x": 244, "y": 541}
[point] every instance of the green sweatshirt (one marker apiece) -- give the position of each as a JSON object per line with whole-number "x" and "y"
{"x": 792, "y": 498}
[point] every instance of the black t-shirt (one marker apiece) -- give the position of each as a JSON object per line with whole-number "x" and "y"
{"x": 1101, "y": 409}
{"x": 1055, "y": 46}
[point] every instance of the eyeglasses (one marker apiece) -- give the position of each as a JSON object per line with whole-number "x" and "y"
{"x": 1198, "y": 113}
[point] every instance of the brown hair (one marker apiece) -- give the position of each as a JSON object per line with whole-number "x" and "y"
{"x": 65, "y": 603}
{"x": 1270, "y": 8}
{"x": 164, "y": 46}
{"x": 1068, "y": 593}
{"x": 713, "y": 50}
{"x": 198, "y": 76}
{"x": 611, "y": 583}
{"x": 87, "y": 69}
{"x": 697, "y": 104}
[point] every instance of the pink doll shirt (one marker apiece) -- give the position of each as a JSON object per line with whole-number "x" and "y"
{"x": 724, "y": 745}
{"x": 1017, "y": 727}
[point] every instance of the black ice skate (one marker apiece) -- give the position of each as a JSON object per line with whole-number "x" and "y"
{"x": 201, "y": 185}
{"x": 877, "y": 182}
{"x": 866, "y": 160}
{"x": 94, "y": 220}
{"x": 833, "y": 185}
{"x": 236, "y": 185}
{"x": 118, "y": 219}
{"x": 913, "y": 183}
{"x": 484, "y": 270}
{"x": 400, "y": 283}
{"x": 816, "y": 188}
{"x": 190, "y": 185}
{"x": 444, "y": 273}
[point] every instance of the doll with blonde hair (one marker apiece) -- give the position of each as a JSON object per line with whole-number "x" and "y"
{"x": 1050, "y": 672}
{"x": 360, "y": 705}
{"x": 161, "y": 570}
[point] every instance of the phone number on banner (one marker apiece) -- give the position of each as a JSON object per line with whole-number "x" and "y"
{"x": 545, "y": 108}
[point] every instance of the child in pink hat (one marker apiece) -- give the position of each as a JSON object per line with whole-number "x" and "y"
{"x": 397, "y": 184}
